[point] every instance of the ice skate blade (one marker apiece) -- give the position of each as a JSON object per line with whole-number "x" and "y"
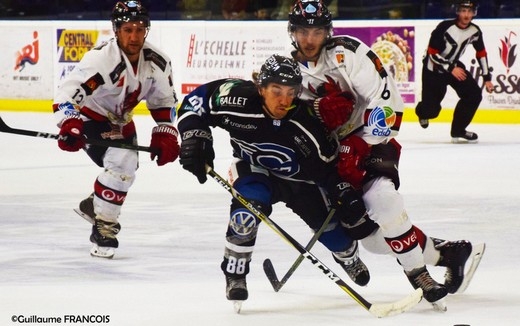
{"x": 477, "y": 251}
{"x": 440, "y": 305}
{"x": 102, "y": 252}
{"x": 237, "y": 305}
{"x": 462, "y": 140}
{"x": 85, "y": 216}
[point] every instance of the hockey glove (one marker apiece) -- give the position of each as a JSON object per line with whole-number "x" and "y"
{"x": 196, "y": 152}
{"x": 352, "y": 154}
{"x": 71, "y": 134}
{"x": 164, "y": 144}
{"x": 348, "y": 203}
{"x": 335, "y": 109}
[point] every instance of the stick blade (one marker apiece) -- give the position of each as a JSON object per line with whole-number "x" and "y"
{"x": 394, "y": 308}
{"x": 271, "y": 275}
{"x": 3, "y": 126}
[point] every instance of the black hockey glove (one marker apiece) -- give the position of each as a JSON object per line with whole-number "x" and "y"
{"x": 348, "y": 203}
{"x": 196, "y": 152}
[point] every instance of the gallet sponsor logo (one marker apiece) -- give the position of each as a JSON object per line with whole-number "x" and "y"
{"x": 233, "y": 100}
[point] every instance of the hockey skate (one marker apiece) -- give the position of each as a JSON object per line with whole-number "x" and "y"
{"x": 236, "y": 291}
{"x": 86, "y": 209}
{"x": 454, "y": 256}
{"x": 353, "y": 265}
{"x": 433, "y": 292}
{"x": 424, "y": 123}
{"x": 104, "y": 238}
{"x": 466, "y": 137}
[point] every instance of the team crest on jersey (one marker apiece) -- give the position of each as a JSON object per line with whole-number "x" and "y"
{"x": 381, "y": 120}
{"x": 93, "y": 83}
{"x": 340, "y": 57}
{"x": 274, "y": 157}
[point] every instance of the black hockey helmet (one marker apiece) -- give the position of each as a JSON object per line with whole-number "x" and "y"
{"x": 280, "y": 70}
{"x": 471, "y": 4}
{"x": 125, "y": 11}
{"x": 309, "y": 13}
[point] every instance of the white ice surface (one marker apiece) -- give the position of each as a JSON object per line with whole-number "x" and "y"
{"x": 166, "y": 271}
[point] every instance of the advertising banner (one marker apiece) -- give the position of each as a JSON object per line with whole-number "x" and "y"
{"x": 221, "y": 50}
{"x": 36, "y": 59}
{"x": 26, "y": 65}
{"x": 395, "y": 46}
{"x": 72, "y": 44}
{"x": 502, "y": 50}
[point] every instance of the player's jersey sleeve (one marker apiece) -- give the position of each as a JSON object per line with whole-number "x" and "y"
{"x": 481, "y": 55}
{"x": 84, "y": 80}
{"x": 317, "y": 150}
{"x": 195, "y": 110}
{"x": 161, "y": 97}
{"x": 379, "y": 106}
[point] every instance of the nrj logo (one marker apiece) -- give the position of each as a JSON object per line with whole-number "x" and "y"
{"x": 28, "y": 54}
{"x": 507, "y": 51}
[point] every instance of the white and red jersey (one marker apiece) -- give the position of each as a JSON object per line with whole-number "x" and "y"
{"x": 347, "y": 64}
{"x": 106, "y": 86}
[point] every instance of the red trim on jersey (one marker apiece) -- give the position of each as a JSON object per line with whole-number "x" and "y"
{"x": 482, "y": 53}
{"x": 432, "y": 50}
{"x": 93, "y": 115}
{"x": 162, "y": 115}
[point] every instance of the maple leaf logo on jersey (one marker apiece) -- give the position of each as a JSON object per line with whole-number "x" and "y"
{"x": 126, "y": 114}
{"x": 131, "y": 99}
{"x": 324, "y": 89}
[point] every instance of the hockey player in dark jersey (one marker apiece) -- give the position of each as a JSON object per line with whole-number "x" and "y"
{"x": 282, "y": 154}
{"x": 358, "y": 101}
{"x": 442, "y": 68}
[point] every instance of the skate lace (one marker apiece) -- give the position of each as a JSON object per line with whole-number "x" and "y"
{"x": 238, "y": 283}
{"x": 108, "y": 229}
{"x": 356, "y": 268}
{"x": 424, "y": 281}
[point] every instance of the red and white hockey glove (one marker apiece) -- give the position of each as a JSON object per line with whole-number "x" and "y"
{"x": 352, "y": 154}
{"x": 71, "y": 134}
{"x": 164, "y": 144}
{"x": 335, "y": 109}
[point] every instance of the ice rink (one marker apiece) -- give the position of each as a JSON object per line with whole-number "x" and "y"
{"x": 167, "y": 268}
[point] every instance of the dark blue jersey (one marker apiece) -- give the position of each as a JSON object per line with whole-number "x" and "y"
{"x": 296, "y": 147}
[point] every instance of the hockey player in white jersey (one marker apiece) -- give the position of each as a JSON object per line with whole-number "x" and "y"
{"x": 357, "y": 100}
{"x": 97, "y": 101}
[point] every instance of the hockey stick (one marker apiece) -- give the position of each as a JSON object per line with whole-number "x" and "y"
{"x": 268, "y": 265}
{"x": 96, "y": 142}
{"x": 378, "y": 310}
